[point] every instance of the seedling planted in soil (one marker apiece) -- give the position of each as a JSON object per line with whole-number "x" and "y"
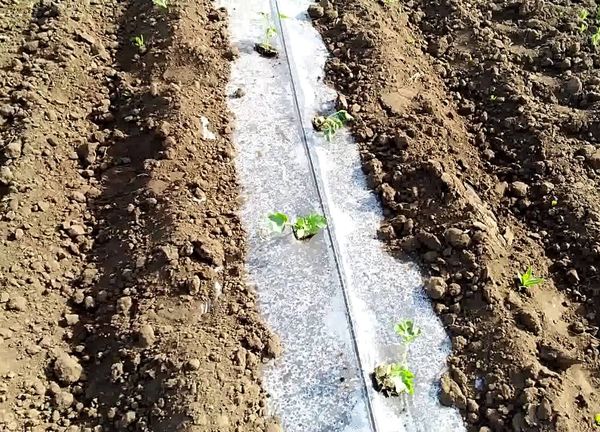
{"x": 266, "y": 48}
{"x": 139, "y": 42}
{"x": 596, "y": 38}
{"x": 331, "y": 124}
{"x": 395, "y": 379}
{"x": 597, "y": 419}
{"x": 303, "y": 228}
{"x": 527, "y": 279}
{"x": 582, "y": 19}
{"x": 162, "y": 4}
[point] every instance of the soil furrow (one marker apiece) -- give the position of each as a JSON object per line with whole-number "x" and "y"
{"x": 125, "y": 305}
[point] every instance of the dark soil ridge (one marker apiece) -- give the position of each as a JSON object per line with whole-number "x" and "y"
{"x": 464, "y": 191}
{"x": 123, "y": 294}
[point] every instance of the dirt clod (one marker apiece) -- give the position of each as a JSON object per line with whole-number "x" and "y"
{"x": 67, "y": 368}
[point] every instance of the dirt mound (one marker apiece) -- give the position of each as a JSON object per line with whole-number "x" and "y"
{"x": 124, "y": 304}
{"x": 476, "y": 123}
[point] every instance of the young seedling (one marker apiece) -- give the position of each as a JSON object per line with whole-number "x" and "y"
{"x": 395, "y": 379}
{"x": 527, "y": 279}
{"x": 582, "y": 19}
{"x": 303, "y": 228}
{"x": 266, "y": 48}
{"x": 597, "y": 419}
{"x": 331, "y": 124}
{"x": 161, "y": 4}
{"x": 596, "y": 38}
{"x": 140, "y": 43}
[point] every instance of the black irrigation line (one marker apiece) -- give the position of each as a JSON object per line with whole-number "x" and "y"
{"x": 325, "y": 208}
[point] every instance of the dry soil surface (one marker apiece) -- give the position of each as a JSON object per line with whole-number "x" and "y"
{"x": 123, "y": 303}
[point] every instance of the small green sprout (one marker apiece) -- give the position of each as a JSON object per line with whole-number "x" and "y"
{"x": 304, "y": 227}
{"x": 139, "y": 42}
{"x": 493, "y": 97}
{"x": 266, "y": 48}
{"x": 582, "y": 18}
{"x": 394, "y": 379}
{"x": 331, "y": 124}
{"x": 554, "y": 202}
{"x": 597, "y": 419}
{"x": 162, "y": 4}
{"x": 528, "y": 280}
{"x": 596, "y": 38}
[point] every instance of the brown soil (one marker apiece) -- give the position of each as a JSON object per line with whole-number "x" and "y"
{"x": 477, "y": 123}
{"x": 123, "y": 301}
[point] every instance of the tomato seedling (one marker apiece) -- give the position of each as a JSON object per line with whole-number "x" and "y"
{"x": 394, "y": 379}
{"x": 303, "y": 228}
{"x": 266, "y": 48}
{"x": 331, "y": 124}
{"x": 527, "y": 279}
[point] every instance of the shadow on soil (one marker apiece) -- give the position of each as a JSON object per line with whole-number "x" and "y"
{"x": 129, "y": 225}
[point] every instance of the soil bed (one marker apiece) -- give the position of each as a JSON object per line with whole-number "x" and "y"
{"x": 478, "y": 128}
{"x": 123, "y": 297}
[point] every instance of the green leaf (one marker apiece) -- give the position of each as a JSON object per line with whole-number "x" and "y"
{"x": 403, "y": 378}
{"x": 278, "y": 221}
{"x": 282, "y": 16}
{"x": 527, "y": 279}
{"x": 597, "y": 419}
{"x": 317, "y": 220}
{"x": 407, "y": 331}
{"x": 308, "y": 226}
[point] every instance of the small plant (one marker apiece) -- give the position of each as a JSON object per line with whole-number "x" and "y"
{"x": 527, "y": 279}
{"x": 582, "y": 17}
{"x": 597, "y": 419}
{"x": 394, "y": 379}
{"x": 162, "y": 4}
{"x": 596, "y": 38}
{"x": 304, "y": 227}
{"x": 331, "y": 124}
{"x": 139, "y": 42}
{"x": 407, "y": 331}
{"x": 266, "y": 48}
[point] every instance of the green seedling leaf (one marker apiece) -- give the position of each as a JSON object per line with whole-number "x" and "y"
{"x": 582, "y": 19}
{"x": 308, "y": 226}
{"x": 282, "y": 16}
{"x": 597, "y": 419}
{"x": 331, "y": 124}
{"x": 407, "y": 331}
{"x": 139, "y": 41}
{"x": 278, "y": 221}
{"x": 162, "y": 4}
{"x": 403, "y": 378}
{"x": 528, "y": 280}
{"x": 394, "y": 379}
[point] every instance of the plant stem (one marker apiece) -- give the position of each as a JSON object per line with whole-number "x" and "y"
{"x": 405, "y": 356}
